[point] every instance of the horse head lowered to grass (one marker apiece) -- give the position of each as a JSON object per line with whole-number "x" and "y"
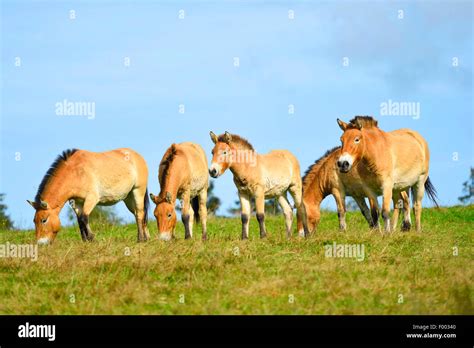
{"x": 86, "y": 179}
{"x": 182, "y": 175}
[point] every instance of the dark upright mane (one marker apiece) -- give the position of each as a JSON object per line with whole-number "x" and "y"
{"x": 364, "y": 121}
{"x": 165, "y": 164}
{"x": 237, "y": 139}
{"x": 311, "y": 171}
{"x": 52, "y": 171}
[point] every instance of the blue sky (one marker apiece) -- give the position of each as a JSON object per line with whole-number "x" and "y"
{"x": 190, "y": 61}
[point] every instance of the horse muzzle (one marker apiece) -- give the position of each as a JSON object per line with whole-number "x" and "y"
{"x": 165, "y": 236}
{"x": 344, "y": 166}
{"x": 213, "y": 172}
{"x": 43, "y": 241}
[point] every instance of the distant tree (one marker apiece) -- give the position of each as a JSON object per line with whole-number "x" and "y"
{"x": 468, "y": 190}
{"x": 5, "y": 222}
{"x": 351, "y": 204}
{"x": 213, "y": 202}
{"x": 271, "y": 207}
{"x": 104, "y": 215}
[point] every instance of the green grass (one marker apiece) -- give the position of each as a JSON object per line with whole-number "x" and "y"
{"x": 228, "y": 276}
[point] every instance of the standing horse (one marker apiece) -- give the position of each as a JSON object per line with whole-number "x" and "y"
{"x": 182, "y": 175}
{"x": 260, "y": 176}
{"x": 323, "y": 178}
{"x": 388, "y": 163}
{"x": 87, "y": 179}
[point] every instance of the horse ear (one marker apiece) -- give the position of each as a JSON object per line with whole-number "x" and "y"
{"x": 228, "y": 137}
{"x": 33, "y": 204}
{"x": 168, "y": 197}
{"x": 213, "y": 137}
{"x": 358, "y": 125}
{"x": 44, "y": 205}
{"x": 342, "y": 125}
{"x": 153, "y": 197}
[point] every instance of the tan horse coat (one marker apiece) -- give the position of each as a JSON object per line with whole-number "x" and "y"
{"x": 388, "y": 162}
{"x": 87, "y": 179}
{"x": 323, "y": 178}
{"x": 182, "y": 175}
{"x": 270, "y": 175}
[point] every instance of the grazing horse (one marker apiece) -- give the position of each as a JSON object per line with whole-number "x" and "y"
{"x": 323, "y": 178}
{"x": 87, "y": 179}
{"x": 260, "y": 176}
{"x": 388, "y": 163}
{"x": 182, "y": 175}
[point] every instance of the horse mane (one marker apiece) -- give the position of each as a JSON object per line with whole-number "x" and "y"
{"x": 237, "y": 139}
{"x": 313, "y": 169}
{"x": 63, "y": 157}
{"x": 165, "y": 163}
{"x": 364, "y": 121}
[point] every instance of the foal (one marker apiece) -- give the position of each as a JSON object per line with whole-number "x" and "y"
{"x": 260, "y": 176}
{"x": 182, "y": 175}
{"x": 87, "y": 179}
{"x": 388, "y": 163}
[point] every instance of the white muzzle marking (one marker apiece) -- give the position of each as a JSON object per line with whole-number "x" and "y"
{"x": 346, "y": 157}
{"x": 215, "y": 167}
{"x": 43, "y": 241}
{"x": 166, "y": 236}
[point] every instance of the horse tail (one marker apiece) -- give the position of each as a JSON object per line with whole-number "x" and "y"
{"x": 146, "y": 205}
{"x": 195, "y": 207}
{"x": 431, "y": 192}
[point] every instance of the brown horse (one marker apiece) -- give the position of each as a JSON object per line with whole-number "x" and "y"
{"x": 87, "y": 179}
{"x": 323, "y": 178}
{"x": 388, "y": 163}
{"x": 259, "y": 176}
{"x": 182, "y": 175}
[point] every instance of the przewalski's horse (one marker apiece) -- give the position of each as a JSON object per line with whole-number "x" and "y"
{"x": 323, "y": 178}
{"x": 260, "y": 176}
{"x": 388, "y": 163}
{"x": 87, "y": 179}
{"x": 182, "y": 175}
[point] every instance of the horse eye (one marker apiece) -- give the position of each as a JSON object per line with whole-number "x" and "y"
{"x": 43, "y": 221}
{"x": 356, "y": 140}
{"x": 169, "y": 215}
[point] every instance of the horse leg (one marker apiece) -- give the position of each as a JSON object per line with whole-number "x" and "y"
{"x": 406, "y": 225}
{"x": 260, "y": 207}
{"x": 287, "y": 212}
{"x": 341, "y": 208}
{"x": 89, "y": 204}
{"x": 364, "y": 209}
{"x": 397, "y": 205}
{"x": 296, "y": 192}
{"x": 203, "y": 212}
{"x": 77, "y": 208}
{"x": 374, "y": 211}
{"x": 185, "y": 215}
{"x": 245, "y": 214}
{"x": 387, "y": 200}
{"x": 135, "y": 204}
{"x": 418, "y": 191}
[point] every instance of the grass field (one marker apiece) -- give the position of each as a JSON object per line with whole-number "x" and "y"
{"x": 403, "y": 273}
